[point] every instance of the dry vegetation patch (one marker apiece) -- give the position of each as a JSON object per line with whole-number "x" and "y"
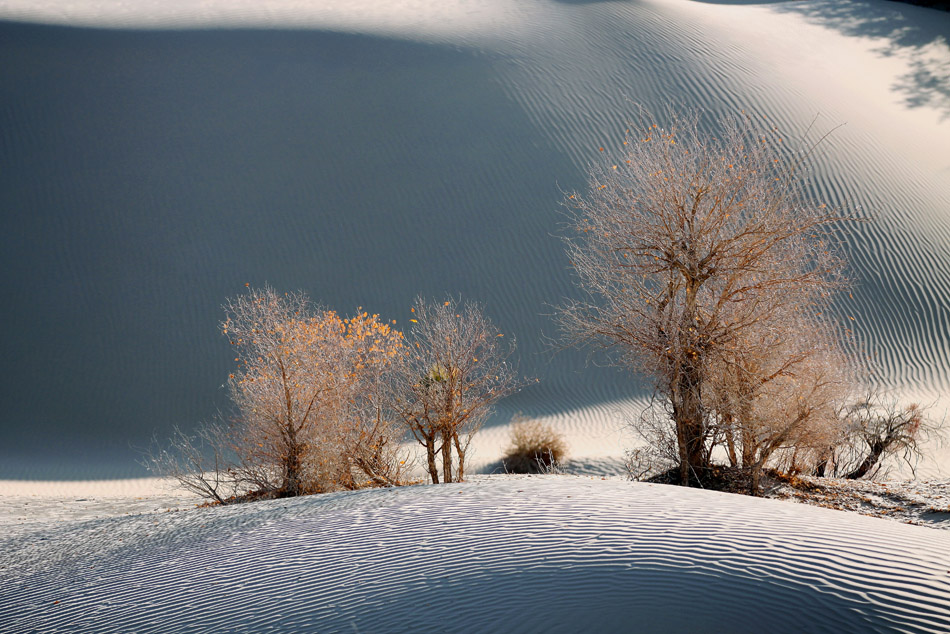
{"x": 536, "y": 447}
{"x": 924, "y": 503}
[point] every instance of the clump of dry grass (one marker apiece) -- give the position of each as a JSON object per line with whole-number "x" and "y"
{"x": 535, "y": 447}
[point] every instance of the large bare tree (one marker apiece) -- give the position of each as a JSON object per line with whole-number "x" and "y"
{"x": 456, "y": 369}
{"x": 696, "y": 251}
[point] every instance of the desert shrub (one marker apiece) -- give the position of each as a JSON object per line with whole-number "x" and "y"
{"x": 322, "y": 403}
{"x": 536, "y": 447}
{"x": 876, "y": 428}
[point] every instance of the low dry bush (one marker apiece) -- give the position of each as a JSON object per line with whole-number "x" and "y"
{"x": 878, "y": 433}
{"x": 535, "y": 448}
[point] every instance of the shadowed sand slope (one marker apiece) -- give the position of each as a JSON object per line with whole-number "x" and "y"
{"x": 369, "y": 152}
{"x": 542, "y": 554}
{"x": 361, "y": 169}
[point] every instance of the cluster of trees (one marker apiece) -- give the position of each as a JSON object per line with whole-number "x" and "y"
{"x": 707, "y": 268}
{"x": 323, "y": 402}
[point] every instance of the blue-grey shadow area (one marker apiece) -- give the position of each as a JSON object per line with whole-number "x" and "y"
{"x": 148, "y": 175}
{"x": 940, "y": 5}
{"x": 743, "y": 1}
{"x": 931, "y": 4}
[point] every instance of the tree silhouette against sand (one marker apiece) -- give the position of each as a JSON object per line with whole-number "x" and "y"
{"x": 322, "y": 403}
{"x": 455, "y": 370}
{"x": 309, "y": 403}
{"x": 708, "y": 271}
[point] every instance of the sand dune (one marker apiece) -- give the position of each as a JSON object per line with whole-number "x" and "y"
{"x": 158, "y": 155}
{"x": 541, "y": 554}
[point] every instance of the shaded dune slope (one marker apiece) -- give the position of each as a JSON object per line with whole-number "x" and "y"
{"x": 532, "y": 555}
{"x": 360, "y": 169}
{"x": 149, "y": 174}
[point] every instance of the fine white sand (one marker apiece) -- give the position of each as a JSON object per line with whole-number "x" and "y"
{"x": 526, "y": 554}
{"x": 27, "y": 506}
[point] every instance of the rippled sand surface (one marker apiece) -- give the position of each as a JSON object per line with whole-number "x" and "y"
{"x": 533, "y": 554}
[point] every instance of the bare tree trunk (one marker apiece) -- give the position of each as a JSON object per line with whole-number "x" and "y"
{"x": 756, "y": 476}
{"x": 755, "y": 470}
{"x": 449, "y": 429}
{"x": 681, "y": 442}
{"x": 292, "y": 484}
{"x": 689, "y": 423}
{"x": 766, "y": 453}
{"x": 748, "y": 443}
{"x": 460, "y": 475}
{"x": 446, "y": 456}
{"x": 877, "y": 450}
{"x": 730, "y": 433}
{"x": 430, "y": 459}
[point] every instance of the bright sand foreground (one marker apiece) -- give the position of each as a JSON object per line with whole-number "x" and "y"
{"x": 499, "y": 553}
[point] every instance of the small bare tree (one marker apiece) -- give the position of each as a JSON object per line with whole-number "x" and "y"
{"x": 201, "y": 462}
{"x": 289, "y": 387}
{"x": 455, "y": 371}
{"x": 690, "y": 247}
{"x": 875, "y": 428}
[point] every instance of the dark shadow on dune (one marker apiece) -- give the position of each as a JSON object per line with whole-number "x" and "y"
{"x": 148, "y": 175}
{"x": 589, "y": 2}
{"x": 940, "y": 5}
{"x": 905, "y": 31}
{"x": 902, "y": 30}
{"x": 743, "y": 1}
{"x": 932, "y": 4}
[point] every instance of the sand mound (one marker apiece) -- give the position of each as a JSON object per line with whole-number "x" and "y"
{"x": 532, "y": 554}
